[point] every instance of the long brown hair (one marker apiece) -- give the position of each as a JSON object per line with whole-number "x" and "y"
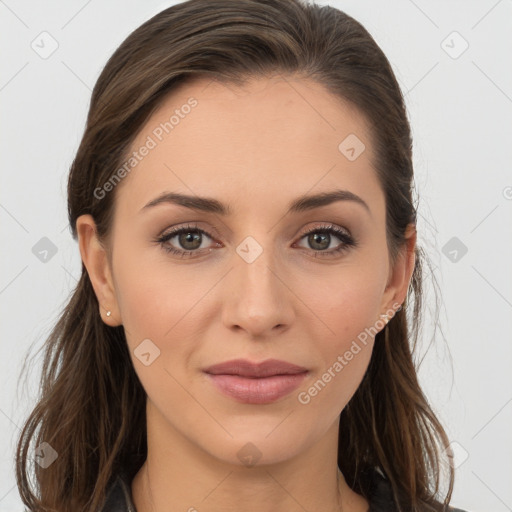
{"x": 91, "y": 408}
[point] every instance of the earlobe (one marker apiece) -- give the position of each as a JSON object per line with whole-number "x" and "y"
{"x": 94, "y": 257}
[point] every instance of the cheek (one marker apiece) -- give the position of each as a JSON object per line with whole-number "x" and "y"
{"x": 344, "y": 302}
{"x": 158, "y": 316}
{"x": 344, "y": 357}
{"x": 168, "y": 307}
{"x": 345, "y": 319}
{"x": 154, "y": 300}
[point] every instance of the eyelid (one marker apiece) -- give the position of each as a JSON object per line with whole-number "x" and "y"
{"x": 325, "y": 227}
{"x": 192, "y": 226}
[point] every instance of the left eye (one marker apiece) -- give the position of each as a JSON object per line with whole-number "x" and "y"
{"x": 321, "y": 234}
{"x": 191, "y": 238}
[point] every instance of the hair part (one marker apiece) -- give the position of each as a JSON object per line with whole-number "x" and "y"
{"x": 92, "y": 406}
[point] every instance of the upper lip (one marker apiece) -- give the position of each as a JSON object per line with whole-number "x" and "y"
{"x": 246, "y": 368}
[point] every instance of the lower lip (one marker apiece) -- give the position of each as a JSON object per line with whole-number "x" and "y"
{"x": 259, "y": 390}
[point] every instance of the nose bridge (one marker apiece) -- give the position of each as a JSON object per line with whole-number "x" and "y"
{"x": 260, "y": 300}
{"x": 253, "y": 271}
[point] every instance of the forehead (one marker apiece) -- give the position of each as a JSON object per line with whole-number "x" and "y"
{"x": 271, "y": 137}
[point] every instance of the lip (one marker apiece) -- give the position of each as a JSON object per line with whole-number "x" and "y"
{"x": 246, "y": 368}
{"x": 256, "y": 383}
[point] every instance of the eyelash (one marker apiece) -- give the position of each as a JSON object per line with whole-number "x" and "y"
{"x": 348, "y": 240}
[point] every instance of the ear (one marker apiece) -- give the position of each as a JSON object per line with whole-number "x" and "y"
{"x": 401, "y": 273}
{"x": 94, "y": 257}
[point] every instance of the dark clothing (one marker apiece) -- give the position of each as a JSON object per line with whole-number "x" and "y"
{"x": 119, "y": 496}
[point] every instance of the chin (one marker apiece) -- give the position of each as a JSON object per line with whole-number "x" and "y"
{"x": 256, "y": 447}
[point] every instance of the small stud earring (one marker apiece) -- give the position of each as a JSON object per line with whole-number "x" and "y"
{"x": 385, "y": 317}
{"x": 109, "y": 313}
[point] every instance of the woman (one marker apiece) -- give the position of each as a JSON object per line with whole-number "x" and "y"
{"x": 242, "y": 200}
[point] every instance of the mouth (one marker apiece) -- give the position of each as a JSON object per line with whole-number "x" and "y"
{"x": 256, "y": 383}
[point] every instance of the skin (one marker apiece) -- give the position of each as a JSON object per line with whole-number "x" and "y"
{"x": 255, "y": 148}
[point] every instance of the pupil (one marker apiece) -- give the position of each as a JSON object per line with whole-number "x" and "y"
{"x": 189, "y": 237}
{"x": 316, "y": 236}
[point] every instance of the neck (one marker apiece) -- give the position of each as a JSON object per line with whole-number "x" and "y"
{"x": 180, "y": 476}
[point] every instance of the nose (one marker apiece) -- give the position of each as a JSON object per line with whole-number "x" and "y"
{"x": 257, "y": 298}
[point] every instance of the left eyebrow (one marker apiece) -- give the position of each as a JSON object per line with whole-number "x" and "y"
{"x": 301, "y": 204}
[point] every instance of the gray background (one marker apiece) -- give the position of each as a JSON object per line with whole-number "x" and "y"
{"x": 460, "y": 107}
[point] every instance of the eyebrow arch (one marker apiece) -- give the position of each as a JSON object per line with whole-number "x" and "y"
{"x": 301, "y": 204}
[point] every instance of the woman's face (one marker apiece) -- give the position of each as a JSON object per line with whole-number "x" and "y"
{"x": 249, "y": 282}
